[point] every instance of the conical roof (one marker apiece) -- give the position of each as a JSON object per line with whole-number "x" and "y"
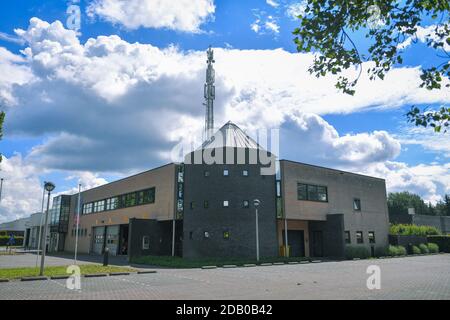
{"x": 230, "y": 135}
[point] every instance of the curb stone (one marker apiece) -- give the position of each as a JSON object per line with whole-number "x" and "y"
{"x": 4, "y": 280}
{"x": 266, "y": 264}
{"x": 209, "y": 267}
{"x": 293, "y": 262}
{"x": 33, "y": 278}
{"x": 59, "y": 277}
{"x": 278, "y": 263}
{"x": 304, "y": 262}
{"x": 95, "y": 275}
{"x": 316, "y": 261}
{"x": 146, "y": 272}
{"x": 249, "y": 265}
{"x": 119, "y": 273}
{"x": 227, "y": 266}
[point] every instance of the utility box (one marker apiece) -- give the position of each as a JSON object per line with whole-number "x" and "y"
{"x": 283, "y": 251}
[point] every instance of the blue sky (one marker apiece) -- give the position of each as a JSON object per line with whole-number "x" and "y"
{"x": 56, "y": 105}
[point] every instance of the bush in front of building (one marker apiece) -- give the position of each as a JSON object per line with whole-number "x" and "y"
{"x": 423, "y": 248}
{"x": 352, "y": 252}
{"x": 396, "y": 251}
{"x": 443, "y": 242}
{"x": 4, "y": 240}
{"x": 433, "y": 247}
{"x": 413, "y": 230}
{"x": 416, "y": 250}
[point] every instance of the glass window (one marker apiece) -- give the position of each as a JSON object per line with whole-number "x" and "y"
{"x": 226, "y": 173}
{"x": 246, "y": 204}
{"x": 226, "y": 204}
{"x": 347, "y": 237}
{"x": 205, "y": 204}
{"x": 206, "y": 234}
{"x": 192, "y": 205}
{"x": 206, "y": 173}
{"x": 359, "y": 237}
{"x": 312, "y": 193}
{"x": 357, "y": 204}
{"x": 371, "y": 236}
{"x": 145, "y": 242}
{"x": 322, "y": 194}
{"x": 226, "y": 234}
{"x": 130, "y": 199}
{"x": 245, "y": 173}
{"x": 301, "y": 191}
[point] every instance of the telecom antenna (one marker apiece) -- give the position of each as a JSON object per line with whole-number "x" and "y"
{"x": 210, "y": 95}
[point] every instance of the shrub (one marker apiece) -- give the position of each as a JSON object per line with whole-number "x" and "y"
{"x": 433, "y": 247}
{"x": 396, "y": 251}
{"x": 401, "y": 250}
{"x": 423, "y": 248}
{"x": 4, "y": 240}
{"x": 412, "y": 230}
{"x": 443, "y": 242}
{"x": 356, "y": 252}
{"x": 416, "y": 250}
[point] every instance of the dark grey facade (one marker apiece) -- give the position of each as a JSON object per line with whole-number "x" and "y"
{"x": 214, "y": 230}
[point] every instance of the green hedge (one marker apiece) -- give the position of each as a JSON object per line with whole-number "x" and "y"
{"x": 443, "y": 242}
{"x": 412, "y": 230}
{"x": 396, "y": 251}
{"x": 356, "y": 252}
{"x": 416, "y": 250}
{"x": 433, "y": 247}
{"x": 4, "y": 240}
{"x": 423, "y": 248}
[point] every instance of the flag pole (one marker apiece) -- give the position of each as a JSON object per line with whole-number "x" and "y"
{"x": 78, "y": 222}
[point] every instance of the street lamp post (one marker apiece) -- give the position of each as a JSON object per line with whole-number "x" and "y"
{"x": 49, "y": 187}
{"x": 256, "y": 203}
{"x": 40, "y": 225}
{"x": 1, "y": 189}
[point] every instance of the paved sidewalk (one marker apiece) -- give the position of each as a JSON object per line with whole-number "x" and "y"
{"x": 422, "y": 277}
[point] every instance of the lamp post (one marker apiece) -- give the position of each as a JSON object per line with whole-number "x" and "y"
{"x": 256, "y": 203}
{"x": 49, "y": 187}
{"x": 78, "y": 222}
{"x": 40, "y": 224}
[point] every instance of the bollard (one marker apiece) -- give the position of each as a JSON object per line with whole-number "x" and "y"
{"x": 105, "y": 256}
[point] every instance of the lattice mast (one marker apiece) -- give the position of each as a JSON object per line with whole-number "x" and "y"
{"x": 210, "y": 95}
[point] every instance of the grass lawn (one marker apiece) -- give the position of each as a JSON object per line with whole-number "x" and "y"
{"x": 12, "y": 273}
{"x": 177, "y": 262}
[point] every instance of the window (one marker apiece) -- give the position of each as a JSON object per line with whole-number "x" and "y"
{"x": 111, "y": 203}
{"x": 130, "y": 199}
{"x": 359, "y": 237}
{"x": 312, "y": 192}
{"x": 191, "y": 234}
{"x": 206, "y": 173}
{"x": 145, "y": 242}
{"x": 87, "y": 208}
{"x": 205, "y": 204}
{"x": 99, "y": 206}
{"x": 347, "y": 237}
{"x": 371, "y": 236}
{"x": 245, "y": 173}
{"x": 192, "y": 205}
{"x": 246, "y": 204}
{"x": 357, "y": 204}
{"x": 226, "y": 204}
{"x": 226, "y": 173}
{"x": 206, "y": 234}
{"x": 226, "y": 234}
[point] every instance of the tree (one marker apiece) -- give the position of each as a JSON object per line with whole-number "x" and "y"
{"x": 443, "y": 207}
{"x": 399, "y": 202}
{"x": 326, "y": 26}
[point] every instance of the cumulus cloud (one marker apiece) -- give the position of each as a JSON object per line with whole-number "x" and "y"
{"x": 265, "y": 24}
{"x": 108, "y": 105}
{"x": 180, "y": 15}
{"x": 272, "y": 3}
{"x": 295, "y": 9}
{"x": 425, "y": 34}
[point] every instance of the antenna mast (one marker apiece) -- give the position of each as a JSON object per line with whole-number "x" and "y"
{"x": 210, "y": 95}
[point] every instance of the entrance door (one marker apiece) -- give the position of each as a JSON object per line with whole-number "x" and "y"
{"x": 296, "y": 241}
{"x": 112, "y": 239}
{"x": 123, "y": 240}
{"x": 317, "y": 244}
{"x": 98, "y": 240}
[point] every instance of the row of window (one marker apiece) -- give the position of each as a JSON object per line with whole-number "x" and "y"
{"x": 319, "y": 193}
{"x": 123, "y": 201}
{"x": 360, "y": 237}
{"x": 225, "y": 204}
{"x": 81, "y": 232}
{"x": 226, "y": 173}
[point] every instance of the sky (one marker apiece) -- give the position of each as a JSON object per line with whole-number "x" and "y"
{"x": 118, "y": 94}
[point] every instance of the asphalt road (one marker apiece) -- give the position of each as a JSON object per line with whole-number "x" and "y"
{"x": 421, "y": 277}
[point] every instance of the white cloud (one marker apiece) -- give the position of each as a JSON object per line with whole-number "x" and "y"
{"x": 130, "y": 103}
{"x": 180, "y": 15}
{"x": 21, "y": 193}
{"x": 272, "y": 3}
{"x": 425, "y": 34}
{"x": 264, "y": 24}
{"x": 429, "y": 181}
{"x": 295, "y": 9}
